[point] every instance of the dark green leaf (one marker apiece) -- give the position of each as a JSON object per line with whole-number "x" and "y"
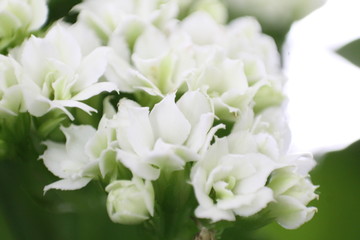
{"x": 351, "y": 52}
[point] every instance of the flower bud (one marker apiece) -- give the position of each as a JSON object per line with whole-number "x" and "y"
{"x": 130, "y": 202}
{"x": 292, "y": 193}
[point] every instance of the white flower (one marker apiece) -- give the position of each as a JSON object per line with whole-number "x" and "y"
{"x": 70, "y": 161}
{"x": 267, "y": 133}
{"x": 225, "y": 82}
{"x": 161, "y": 63}
{"x": 292, "y": 193}
{"x": 10, "y": 91}
{"x": 228, "y": 184}
{"x": 236, "y": 65}
{"x": 18, "y": 18}
{"x": 273, "y": 14}
{"x": 243, "y": 44}
{"x": 107, "y": 16}
{"x": 167, "y": 137}
{"x": 56, "y": 75}
{"x": 130, "y": 202}
{"x": 214, "y": 8}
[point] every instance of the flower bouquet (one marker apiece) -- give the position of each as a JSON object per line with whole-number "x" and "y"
{"x": 176, "y": 113}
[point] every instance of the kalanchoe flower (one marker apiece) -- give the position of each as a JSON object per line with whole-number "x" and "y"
{"x": 107, "y": 16}
{"x": 165, "y": 138}
{"x": 185, "y": 72}
{"x": 292, "y": 193}
{"x": 56, "y": 75}
{"x": 228, "y": 185}
{"x": 267, "y": 133}
{"x": 236, "y": 65}
{"x": 10, "y": 91}
{"x": 161, "y": 64}
{"x": 18, "y": 18}
{"x": 70, "y": 161}
{"x": 130, "y": 201}
{"x": 243, "y": 44}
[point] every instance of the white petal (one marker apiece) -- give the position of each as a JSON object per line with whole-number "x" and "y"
{"x": 71, "y": 103}
{"x": 198, "y": 180}
{"x": 40, "y": 11}
{"x": 216, "y": 151}
{"x": 202, "y": 28}
{"x": 32, "y": 56}
{"x": 76, "y": 139}
{"x": 107, "y": 162}
{"x": 92, "y": 68}
{"x": 168, "y": 122}
{"x": 68, "y": 184}
{"x": 54, "y": 156}
{"x": 199, "y": 132}
{"x": 65, "y": 47}
{"x": 290, "y": 213}
{"x": 94, "y": 90}
{"x": 260, "y": 201}
{"x": 151, "y": 44}
{"x": 137, "y": 166}
{"x": 139, "y": 132}
{"x": 164, "y": 156}
{"x": 214, "y": 213}
{"x": 263, "y": 167}
{"x": 193, "y": 104}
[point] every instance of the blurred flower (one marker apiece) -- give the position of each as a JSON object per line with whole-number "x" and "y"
{"x": 18, "y": 18}
{"x": 273, "y": 14}
{"x": 130, "y": 202}
{"x": 10, "y": 91}
{"x": 107, "y": 16}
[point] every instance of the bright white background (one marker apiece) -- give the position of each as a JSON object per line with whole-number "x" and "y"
{"x": 323, "y": 88}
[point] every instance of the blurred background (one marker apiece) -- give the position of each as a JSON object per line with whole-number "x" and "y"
{"x": 321, "y": 59}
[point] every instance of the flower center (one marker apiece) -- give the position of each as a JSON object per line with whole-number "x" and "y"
{"x": 224, "y": 188}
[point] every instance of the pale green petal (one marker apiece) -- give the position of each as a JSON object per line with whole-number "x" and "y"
{"x": 290, "y": 213}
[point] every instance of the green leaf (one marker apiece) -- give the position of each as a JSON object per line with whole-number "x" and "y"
{"x": 351, "y": 52}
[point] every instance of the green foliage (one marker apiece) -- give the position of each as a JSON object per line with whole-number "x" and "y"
{"x": 61, "y": 8}
{"x": 351, "y": 52}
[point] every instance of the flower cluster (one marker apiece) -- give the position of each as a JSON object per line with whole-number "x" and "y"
{"x": 51, "y": 73}
{"x": 197, "y": 96}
